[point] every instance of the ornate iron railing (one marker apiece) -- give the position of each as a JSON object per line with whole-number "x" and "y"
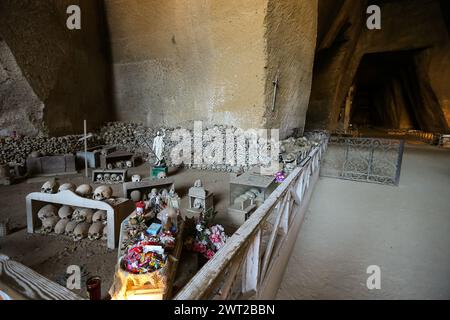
{"x": 253, "y": 260}
{"x": 364, "y": 159}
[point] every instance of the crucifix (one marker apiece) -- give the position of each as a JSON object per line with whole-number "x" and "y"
{"x": 275, "y": 88}
{"x": 85, "y": 138}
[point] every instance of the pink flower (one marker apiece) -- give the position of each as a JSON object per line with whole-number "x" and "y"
{"x": 215, "y": 238}
{"x": 198, "y": 247}
{"x": 209, "y": 254}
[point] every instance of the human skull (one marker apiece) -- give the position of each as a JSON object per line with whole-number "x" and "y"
{"x": 105, "y": 232}
{"x": 102, "y": 193}
{"x": 290, "y": 167}
{"x": 99, "y": 178}
{"x": 49, "y": 223}
{"x": 95, "y": 231}
{"x": 129, "y": 164}
{"x": 113, "y": 177}
{"x": 60, "y": 227}
{"x": 198, "y": 203}
{"x": 35, "y": 154}
{"x": 83, "y": 215}
{"x": 290, "y": 157}
{"x": 106, "y": 177}
{"x": 251, "y": 195}
{"x": 70, "y": 226}
{"x": 67, "y": 186}
{"x": 81, "y": 231}
{"x": 99, "y": 215}
{"x": 136, "y": 178}
{"x": 84, "y": 190}
{"x": 135, "y": 195}
{"x": 109, "y": 166}
{"x": 119, "y": 177}
{"x": 50, "y": 186}
{"x": 65, "y": 212}
{"x": 47, "y": 211}
{"x": 119, "y": 164}
{"x": 161, "y": 175}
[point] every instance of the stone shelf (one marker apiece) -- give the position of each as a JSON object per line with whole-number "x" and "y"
{"x": 117, "y": 210}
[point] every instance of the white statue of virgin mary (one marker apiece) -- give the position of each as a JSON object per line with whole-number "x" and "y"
{"x": 158, "y": 147}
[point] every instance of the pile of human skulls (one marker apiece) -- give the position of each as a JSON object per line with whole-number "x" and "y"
{"x": 138, "y": 139}
{"x": 120, "y": 165}
{"x": 132, "y": 137}
{"x": 109, "y": 178}
{"x": 76, "y": 223}
{"x": 100, "y": 193}
{"x": 293, "y": 151}
{"x": 16, "y": 150}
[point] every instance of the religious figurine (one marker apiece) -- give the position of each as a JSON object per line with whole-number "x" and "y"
{"x": 158, "y": 148}
{"x": 140, "y": 208}
{"x": 173, "y": 200}
{"x": 151, "y": 199}
{"x": 164, "y": 195}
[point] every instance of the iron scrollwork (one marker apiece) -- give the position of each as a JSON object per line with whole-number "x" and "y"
{"x": 364, "y": 159}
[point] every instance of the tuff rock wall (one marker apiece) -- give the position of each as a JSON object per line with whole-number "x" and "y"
{"x": 160, "y": 63}
{"x": 415, "y": 25}
{"x": 66, "y": 71}
{"x": 291, "y": 31}
{"x": 177, "y": 61}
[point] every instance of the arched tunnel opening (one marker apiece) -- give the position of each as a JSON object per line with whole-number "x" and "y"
{"x": 386, "y": 93}
{"x": 390, "y": 93}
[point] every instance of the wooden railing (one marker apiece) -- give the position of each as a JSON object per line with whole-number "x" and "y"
{"x": 243, "y": 267}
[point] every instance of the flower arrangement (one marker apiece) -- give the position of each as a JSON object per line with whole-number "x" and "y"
{"x": 280, "y": 177}
{"x": 208, "y": 240}
{"x": 142, "y": 258}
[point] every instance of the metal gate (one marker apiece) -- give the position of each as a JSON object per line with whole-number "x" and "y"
{"x": 363, "y": 159}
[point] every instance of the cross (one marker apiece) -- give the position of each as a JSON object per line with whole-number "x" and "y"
{"x": 85, "y": 138}
{"x": 275, "y": 88}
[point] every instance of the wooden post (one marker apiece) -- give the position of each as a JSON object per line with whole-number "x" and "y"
{"x": 251, "y": 269}
{"x": 85, "y": 149}
{"x": 348, "y": 108}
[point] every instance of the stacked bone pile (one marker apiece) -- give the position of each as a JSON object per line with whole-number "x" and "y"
{"x": 109, "y": 178}
{"x": 76, "y": 223}
{"x": 120, "y": 165}
{"x": 253, "y": 196}
{"x": 131, "y": 137}
{"x": 293, "y": 151}
{"x": 16, "y": 150}
{"x": 139, "y": 139}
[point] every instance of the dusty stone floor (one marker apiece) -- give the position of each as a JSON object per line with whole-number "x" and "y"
{"x": 350, "y": 225}
{"x": 50, "y": 255}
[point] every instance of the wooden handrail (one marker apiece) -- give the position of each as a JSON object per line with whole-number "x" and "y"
{"x": 237, "y": 247}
